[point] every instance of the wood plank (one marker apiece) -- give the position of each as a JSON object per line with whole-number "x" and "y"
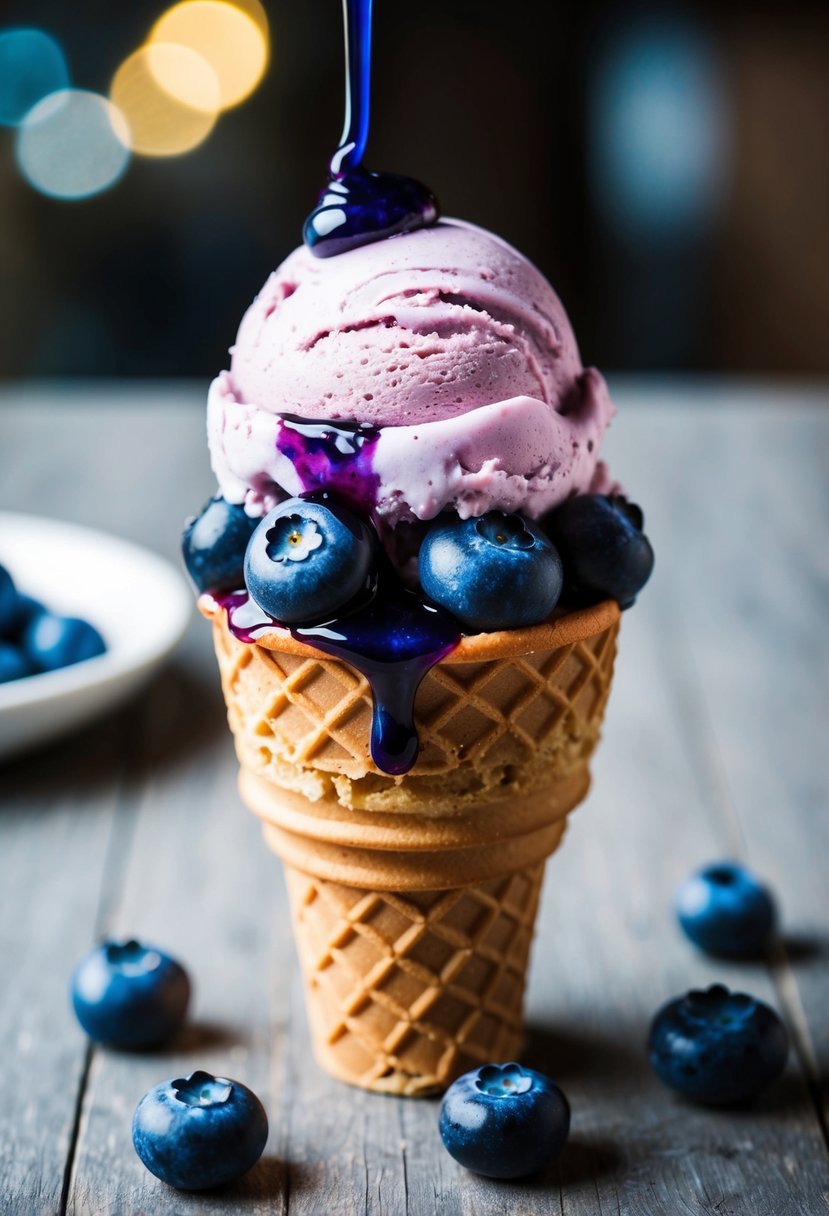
{"x": 759, "y": 684}
{"x": 677, "y": 781}
{"x": 199, "y": 883}
{"x": 56, "y": 821}
{"x": 63, "y": 826}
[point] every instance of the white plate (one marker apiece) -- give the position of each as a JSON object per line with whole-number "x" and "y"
{"x": 139, "y": 603}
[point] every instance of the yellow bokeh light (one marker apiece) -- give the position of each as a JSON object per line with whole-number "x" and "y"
{"x": 232, "y": 37}
{"x": 255, "y": 11}
{"x": 166, "y": 121}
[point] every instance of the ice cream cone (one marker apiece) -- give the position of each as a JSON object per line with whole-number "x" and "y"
{"x": 414, "y": 896}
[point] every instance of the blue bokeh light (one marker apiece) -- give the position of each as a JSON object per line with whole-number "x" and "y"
{"x": 73, "y": 144}
{"x": 657, "y": 129}
{"x": 32, "y": 66}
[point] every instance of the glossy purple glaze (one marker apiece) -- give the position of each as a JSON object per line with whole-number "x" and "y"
{"x": 334, "y": 457}
{"x": 393, "y": 640}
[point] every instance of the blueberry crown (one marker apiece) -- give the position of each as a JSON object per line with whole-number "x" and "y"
{"x": 503, "y": 1080}
{"x": 293, "y": 538}
{"x": 202, "y": 1089}
{"x": 722, "y": 874}
{"x": 131, "y": 955}
{"x": 508, "y": 531}
{"x": 719, "y": 1005}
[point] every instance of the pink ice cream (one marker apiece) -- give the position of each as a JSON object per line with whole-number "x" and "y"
{"x": 450, "y": 343}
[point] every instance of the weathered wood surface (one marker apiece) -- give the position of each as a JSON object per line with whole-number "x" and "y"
{"x": 714, "y": 745}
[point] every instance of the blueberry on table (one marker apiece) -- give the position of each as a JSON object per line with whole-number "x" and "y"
{"x": 717, "y": 1047}
{"x": 13, "y": 663}
{"x": 199, "y": 1131}
{"x": 725, "y": 910}
{"x": 605, "y": 553}
{"x": 129, "y": 994}
{"x": 504, "y": 1121}
{"x": 213, "y": 546}
{"x": 492, "y": 572}
{"x": 307, "y": 560}
{"x": 52, "y": 642}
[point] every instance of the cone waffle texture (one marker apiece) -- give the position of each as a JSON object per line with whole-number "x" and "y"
{"x": 414, "y": 897}
{"x": 506, "y": 713}
{"x": 407, "y": 991}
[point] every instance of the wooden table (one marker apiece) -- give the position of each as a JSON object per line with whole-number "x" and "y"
{"x": 715, "y": 745}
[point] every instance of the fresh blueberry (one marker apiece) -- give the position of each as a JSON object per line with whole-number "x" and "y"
{"x": 214, "y": 543}
{"x": 725, "y": 910}
{"x": 504, "y": 1121}
{"x": 129, "y": 994}
{"x": 306, "y": 560}
{"x": 25, "y": 610}
{"x": 52, "y": 641}
{"x": 13, "y": 663}
{"x": 604, "y": 551}
{"x": 199, "y": 1131}
{"x": 494, "y": 572}
{"x": 8, "y": 602}
{"x": 717, "y": 1046}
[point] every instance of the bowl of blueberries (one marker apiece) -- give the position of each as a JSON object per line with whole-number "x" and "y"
{"x": 85, "y": 618}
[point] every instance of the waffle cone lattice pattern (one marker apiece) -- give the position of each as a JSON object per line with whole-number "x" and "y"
{"x": 407, "y": 991}
{"x": 304, "y": 722}
{"x": 414, "y": 897}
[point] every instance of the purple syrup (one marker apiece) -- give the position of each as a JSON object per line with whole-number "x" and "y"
{"x": 358, "y": 206}
{"x": 335, "y": 457}
{"x": 392, "y": 640}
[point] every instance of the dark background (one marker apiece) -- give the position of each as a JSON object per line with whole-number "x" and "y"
{"x": 511, "y": 113}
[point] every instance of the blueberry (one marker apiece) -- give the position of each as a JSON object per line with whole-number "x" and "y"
{"x": 604, "y": 551}
{"x": 13, "y": 663}
{"x": 59, "y": 641}
{"x": 307, "y": 560}
{"x": 717, "y": 1047}
{"x": 504, "y": 1121}
{"x": 8, "y": 602}
{"x": 129, "y": 994}
{"x": 725, "y": 910}
{"x": 199, "y": 1131}
{"x": 214, "y": 543}
{"x": 25, "y": 610}
{"x": 494, "y": 572}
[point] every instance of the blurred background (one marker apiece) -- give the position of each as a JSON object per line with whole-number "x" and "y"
{"x": 667, "y": 166}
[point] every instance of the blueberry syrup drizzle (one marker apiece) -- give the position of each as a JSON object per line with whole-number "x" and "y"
{"x": 393, "y": 640}
{"x": 392, "y": 636}
{"x": 359, "y": 206}
{"x": 332, "y": 457}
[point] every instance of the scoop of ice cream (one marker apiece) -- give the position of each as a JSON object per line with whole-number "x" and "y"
{"x": 449, "y": 343}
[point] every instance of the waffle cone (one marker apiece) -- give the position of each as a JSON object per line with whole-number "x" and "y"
{"x": 414, "y": 897}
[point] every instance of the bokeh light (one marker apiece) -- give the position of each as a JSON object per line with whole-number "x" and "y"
{"x": 233, "y": 38}
{"x": 72, "y": 144}
{"x": 170, "y": 97}
{"x": 256, "y": 13}
{"x": 657, "y": 128}
{"x": 31, "y": 67}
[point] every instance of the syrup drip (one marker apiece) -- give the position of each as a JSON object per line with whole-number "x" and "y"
{"x": 394, "y": 637}
{"x": 332, "y": 457}
{"x": 359, "y": 206}
{"x": 393, "y": 640}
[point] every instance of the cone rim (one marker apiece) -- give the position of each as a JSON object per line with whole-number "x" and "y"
{"x": 560, "y": 629}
